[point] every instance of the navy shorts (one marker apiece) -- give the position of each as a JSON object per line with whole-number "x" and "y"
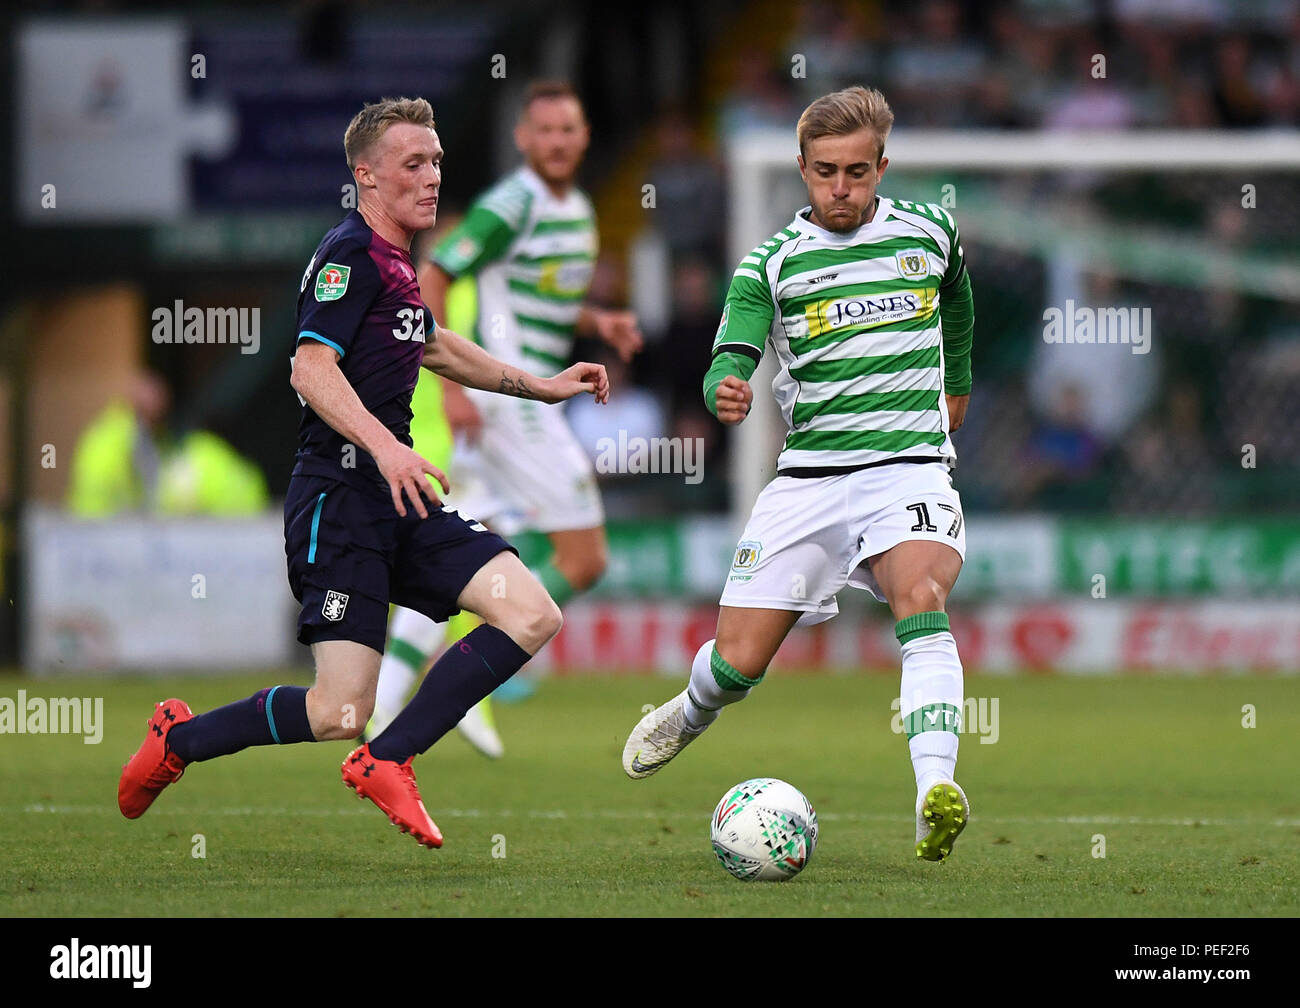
{"x": 350, "y": 554}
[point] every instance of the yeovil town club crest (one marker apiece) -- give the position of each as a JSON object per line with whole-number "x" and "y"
{"x": 913, "y": 264}
{"x": 747, "y": 554}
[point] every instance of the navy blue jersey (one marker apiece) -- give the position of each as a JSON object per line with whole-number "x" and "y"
{"x": 360, "y": 297}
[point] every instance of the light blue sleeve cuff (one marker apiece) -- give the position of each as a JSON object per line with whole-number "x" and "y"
{"x": 307, "y": 334}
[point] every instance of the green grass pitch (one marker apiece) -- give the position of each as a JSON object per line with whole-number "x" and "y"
{"x": 1200, "y": 815}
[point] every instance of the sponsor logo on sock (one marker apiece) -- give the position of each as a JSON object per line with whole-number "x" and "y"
{"x": 976, "y": 716}
{"x": 75, "y": 961}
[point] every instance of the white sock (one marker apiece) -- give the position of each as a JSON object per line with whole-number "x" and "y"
{"x": 931, "y": 697}
{"x": 412, "y": 640}
{"x": 705, "y": 697}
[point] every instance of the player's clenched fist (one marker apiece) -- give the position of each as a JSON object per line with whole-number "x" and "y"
{"x": 956, "y": 411}
{"x": 732, "y": 399}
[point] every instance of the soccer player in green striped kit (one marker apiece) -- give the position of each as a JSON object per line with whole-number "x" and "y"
{"x": 866, "y": 303}
{"x": 529, "y": 245}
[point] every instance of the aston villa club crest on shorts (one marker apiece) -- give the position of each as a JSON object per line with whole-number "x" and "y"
{"x": 336, "y": 603}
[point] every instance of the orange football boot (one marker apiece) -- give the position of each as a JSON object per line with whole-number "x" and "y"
{"x": 153, "y": 766}
{"x": 391, "y": 786}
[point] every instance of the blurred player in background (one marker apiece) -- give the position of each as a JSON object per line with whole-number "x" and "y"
{"x": 530, "y": 244}
{"x": 358, "y": 533}
{"x": 431, "y": 438}
{"x": 867, "y": 303}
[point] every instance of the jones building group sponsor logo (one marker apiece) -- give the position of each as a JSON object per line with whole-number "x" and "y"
{"x": 638, "y": 455}
{"x": 1086, "y": 324}
{"x": 57, "y": 716}
{"x": 179, "y": 324}
{"x": 822, "y": 317}
{"x": 565, "y": 277}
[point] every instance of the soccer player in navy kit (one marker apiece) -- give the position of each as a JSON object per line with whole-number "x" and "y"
{"x": 363, "y": 525}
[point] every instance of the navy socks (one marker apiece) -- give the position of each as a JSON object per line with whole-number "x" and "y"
{"x": 277, "y": 715}
{"x": 469, "y": 670}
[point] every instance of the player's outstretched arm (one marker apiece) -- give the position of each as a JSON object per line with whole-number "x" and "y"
{"x": 466, "y": 362}
{"x": 738, "y": 346}
{"x": 317, "y": 378}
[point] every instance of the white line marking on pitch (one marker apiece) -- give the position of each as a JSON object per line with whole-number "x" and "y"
{"x": 454, "y": 813}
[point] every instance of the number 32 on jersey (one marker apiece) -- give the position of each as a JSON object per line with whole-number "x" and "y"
{"x": 410, "y": 324}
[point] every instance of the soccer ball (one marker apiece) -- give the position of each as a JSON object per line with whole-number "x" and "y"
{"x": 764, "y": 830}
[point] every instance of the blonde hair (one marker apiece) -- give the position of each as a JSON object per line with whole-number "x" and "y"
{"x": 368, "y": 125}
{"x": 843, "y": 112}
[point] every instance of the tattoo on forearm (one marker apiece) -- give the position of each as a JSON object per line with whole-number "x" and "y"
{"x": 514, "y": 387}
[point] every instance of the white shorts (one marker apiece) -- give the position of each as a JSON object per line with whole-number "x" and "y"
{"x": 527, "y": 470}
{"x": 808, "y": 537}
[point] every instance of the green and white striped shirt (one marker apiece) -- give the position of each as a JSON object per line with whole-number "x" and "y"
{"x": 853, "y": 318}
{"x": 532, "y": 255}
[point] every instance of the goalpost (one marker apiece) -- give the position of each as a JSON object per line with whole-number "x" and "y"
{"x": 766, "y": 190}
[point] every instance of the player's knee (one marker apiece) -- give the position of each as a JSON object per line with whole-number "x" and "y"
{"x": 547, "y": 622}
{"x": 340, "y": 720}
{"x": 584, "y": 570}
{"x": 593, "y": 569}
{"x": 538, "y": 624}
{"x": 924, "y": 595}
{"x": 742, "y": 656}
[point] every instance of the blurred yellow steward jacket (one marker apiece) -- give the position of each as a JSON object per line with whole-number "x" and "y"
{"x": 430, "y": 433}
{"x": 199, "y": 475}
